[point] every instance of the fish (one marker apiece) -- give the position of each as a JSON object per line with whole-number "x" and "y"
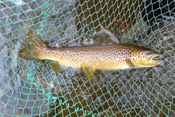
{"x": 90, "y": 58}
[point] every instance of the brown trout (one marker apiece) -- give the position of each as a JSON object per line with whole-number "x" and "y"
{"x": 91, "y": 58}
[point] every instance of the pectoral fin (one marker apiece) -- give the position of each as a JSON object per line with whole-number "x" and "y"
{"x": 129, "y": 63}
{"x": 89, "y": 72}
{"x": 56, "y": 67}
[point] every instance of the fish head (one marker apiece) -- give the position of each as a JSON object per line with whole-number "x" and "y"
{"x": 144, "y": 57}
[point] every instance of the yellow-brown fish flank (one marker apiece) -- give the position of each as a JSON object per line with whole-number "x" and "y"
{"x": 108, "y": 57}
{"x": 87, "y": 56}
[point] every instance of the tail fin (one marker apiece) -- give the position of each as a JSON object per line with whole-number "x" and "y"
{"x": 33, "y": 45}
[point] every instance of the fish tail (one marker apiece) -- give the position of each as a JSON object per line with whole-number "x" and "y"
{"x": 33, "y": 46}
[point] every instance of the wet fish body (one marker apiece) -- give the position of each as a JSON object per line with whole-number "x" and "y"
{"x": 108, "y": 57}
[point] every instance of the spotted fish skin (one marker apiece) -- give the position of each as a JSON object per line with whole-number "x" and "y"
{"x": 108, "y": 57}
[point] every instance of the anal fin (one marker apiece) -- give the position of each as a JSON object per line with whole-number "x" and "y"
{"x": 56, "y": 67}
{"x": 89, "y": 72}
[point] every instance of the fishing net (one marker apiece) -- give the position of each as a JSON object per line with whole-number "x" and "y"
{"x": 32, "y": 88}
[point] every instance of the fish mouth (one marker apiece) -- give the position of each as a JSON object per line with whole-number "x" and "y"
{"x": 153, "y": 60}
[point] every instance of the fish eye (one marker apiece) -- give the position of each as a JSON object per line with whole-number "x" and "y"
{"x": 148, "y": 53}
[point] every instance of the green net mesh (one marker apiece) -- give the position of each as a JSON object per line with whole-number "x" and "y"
{"x": 32, "y": 88}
